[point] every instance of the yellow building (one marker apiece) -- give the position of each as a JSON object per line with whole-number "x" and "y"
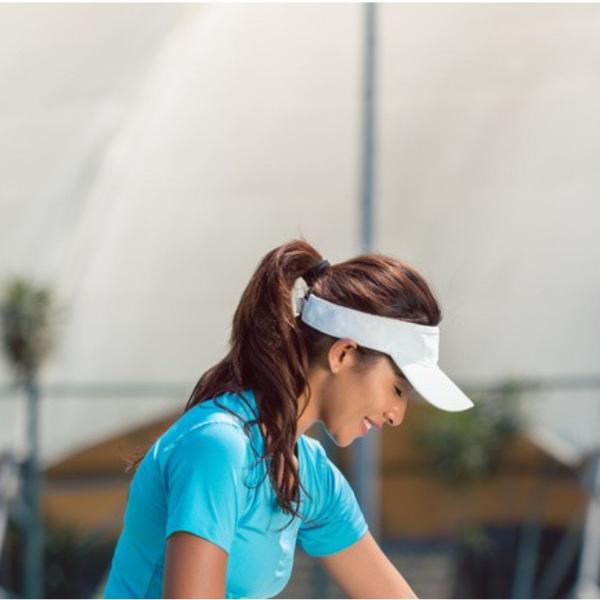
{"x": 88, "y": 491}
{"x": 89, "y": 488}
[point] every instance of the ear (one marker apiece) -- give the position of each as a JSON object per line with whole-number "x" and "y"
{"x": 342, "y": 354}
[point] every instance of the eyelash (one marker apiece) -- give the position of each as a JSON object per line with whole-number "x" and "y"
{"x": 398, "y": 392}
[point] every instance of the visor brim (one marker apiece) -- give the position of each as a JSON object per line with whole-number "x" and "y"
{"x": 435, "y": 386}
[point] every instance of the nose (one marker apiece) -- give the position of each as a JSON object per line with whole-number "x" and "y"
{"x": 395, "y": 418}
{"x": 394, "y": 422}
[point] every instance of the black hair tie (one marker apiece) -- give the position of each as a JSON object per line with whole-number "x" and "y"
{"x": 311, "y": 275}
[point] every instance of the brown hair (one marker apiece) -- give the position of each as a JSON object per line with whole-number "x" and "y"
{"x": 271, "y": 350}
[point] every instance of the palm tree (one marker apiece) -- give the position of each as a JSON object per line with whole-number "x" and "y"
{"x": 26, "y": 317}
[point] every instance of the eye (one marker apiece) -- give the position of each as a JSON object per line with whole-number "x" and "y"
{"x": 398, "y": 392}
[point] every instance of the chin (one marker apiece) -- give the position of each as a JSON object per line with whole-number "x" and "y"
{"x": 340, "y": 442}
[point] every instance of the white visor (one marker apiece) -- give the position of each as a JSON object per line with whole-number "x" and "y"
{"x": 413, "y": 347}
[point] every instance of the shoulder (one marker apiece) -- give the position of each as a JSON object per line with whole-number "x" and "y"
{"x": 312, "y": 444}
{"x": 314, "y": 450}
{"x": 319, "y": 468}
{"x": 326, "y": 476}
{"x": 218, "y": 440}
{"x": 219, "y": 432}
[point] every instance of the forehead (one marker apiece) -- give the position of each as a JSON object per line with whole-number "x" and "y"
{"x": 397, "y": 371}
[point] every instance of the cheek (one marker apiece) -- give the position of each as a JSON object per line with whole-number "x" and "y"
{"x": 342, "y": 416}
{"x": 346, "y": 401}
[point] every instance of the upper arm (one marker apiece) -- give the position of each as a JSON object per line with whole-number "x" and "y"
{"x": 204, "y": 480}
{"x": 194, "y": 568}
{"x": 205, "y": 495}
{"x": 364, "y": 571}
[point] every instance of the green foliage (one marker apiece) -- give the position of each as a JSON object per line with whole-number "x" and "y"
{"x": 475, "y": 537}
{"x": 27, "y": 313}
{"x": 467, "y": 446}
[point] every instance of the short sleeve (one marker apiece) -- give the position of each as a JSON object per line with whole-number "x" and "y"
{"x": 205, "y": 482}
{"x": 338, "y": 521}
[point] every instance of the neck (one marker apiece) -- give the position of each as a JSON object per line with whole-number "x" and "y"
{"x": 309, "y": 407}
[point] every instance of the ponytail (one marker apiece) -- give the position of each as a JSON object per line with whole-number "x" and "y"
{"x": 271, "y": 350}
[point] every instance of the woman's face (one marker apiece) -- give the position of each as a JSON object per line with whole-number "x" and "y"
{"x": 348, "y": 395}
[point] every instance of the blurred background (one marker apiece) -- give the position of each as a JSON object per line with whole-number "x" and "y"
{"x": 151, "y": 154}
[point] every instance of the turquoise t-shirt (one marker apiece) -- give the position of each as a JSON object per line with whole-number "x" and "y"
{"x": 200, "y": 476}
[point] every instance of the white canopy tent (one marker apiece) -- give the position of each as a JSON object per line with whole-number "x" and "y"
{"x": 151, "y": 154}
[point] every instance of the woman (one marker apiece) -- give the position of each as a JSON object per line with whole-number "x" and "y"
{"x": 341, "y": 344}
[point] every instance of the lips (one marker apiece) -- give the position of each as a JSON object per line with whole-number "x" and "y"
{"x": 373, "y": 423}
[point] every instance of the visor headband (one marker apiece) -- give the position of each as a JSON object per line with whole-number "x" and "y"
{"x": 407, "y": 342}
{"x": 412, "y": 346}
